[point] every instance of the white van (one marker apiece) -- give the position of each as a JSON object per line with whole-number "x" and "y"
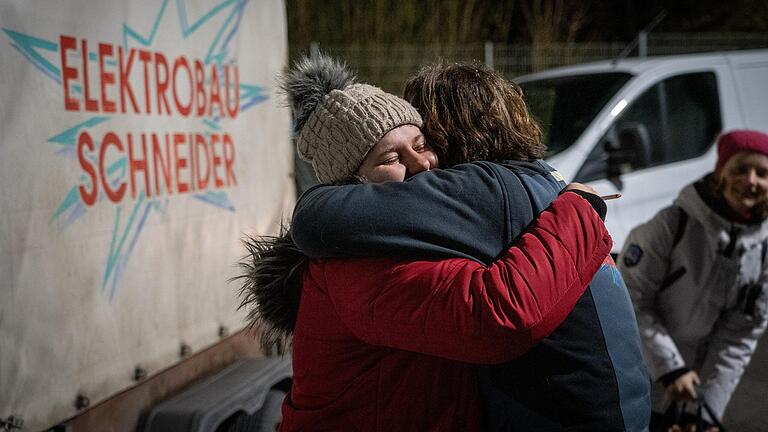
{"x": 646, "y": 127}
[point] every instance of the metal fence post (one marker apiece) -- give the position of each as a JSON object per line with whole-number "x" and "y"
{"x": 489, "y": 54}
{"x": 642, "y": 44}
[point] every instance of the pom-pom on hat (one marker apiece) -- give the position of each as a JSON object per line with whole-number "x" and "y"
{"x": 736, "y": 141}
{"x": 337, "y": 121}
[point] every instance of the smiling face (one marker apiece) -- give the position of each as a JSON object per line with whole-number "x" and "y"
{"x": 401, "y": 153}
{"x": 744, "y": 183}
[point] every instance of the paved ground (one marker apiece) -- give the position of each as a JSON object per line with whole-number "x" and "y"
{"x": 748, "y": 410}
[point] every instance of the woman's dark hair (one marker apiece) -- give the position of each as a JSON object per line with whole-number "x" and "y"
{"x": 473, "y": 113}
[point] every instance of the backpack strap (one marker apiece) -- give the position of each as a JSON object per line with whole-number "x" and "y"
{"x": 682, "y": 221}
{"x": 764, "y": 252}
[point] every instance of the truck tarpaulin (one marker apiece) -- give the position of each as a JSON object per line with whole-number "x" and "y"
{"x": 138, "y": 142}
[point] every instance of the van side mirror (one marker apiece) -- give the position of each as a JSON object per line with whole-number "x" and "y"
{"x": 629, "y": 150}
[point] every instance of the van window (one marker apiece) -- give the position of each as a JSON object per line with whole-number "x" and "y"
{"x": 565, "y": 106}
{"x": 674, "y": 120}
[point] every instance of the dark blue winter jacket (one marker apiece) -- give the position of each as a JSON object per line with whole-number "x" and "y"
{"x": 588, "y": 375}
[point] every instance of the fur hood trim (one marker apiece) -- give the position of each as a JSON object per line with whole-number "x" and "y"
{"x": 270, "y": 287}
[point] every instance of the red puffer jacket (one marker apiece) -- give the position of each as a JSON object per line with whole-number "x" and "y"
{"x": 382, "y": 345}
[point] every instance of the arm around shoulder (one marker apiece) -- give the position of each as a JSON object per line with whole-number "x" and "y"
{"x": 378, "y": 219}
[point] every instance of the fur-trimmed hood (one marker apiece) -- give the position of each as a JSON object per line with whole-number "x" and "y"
{"x": 270, "y": 287}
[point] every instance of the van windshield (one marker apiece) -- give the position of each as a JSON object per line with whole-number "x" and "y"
{"x": 565, "y": 106}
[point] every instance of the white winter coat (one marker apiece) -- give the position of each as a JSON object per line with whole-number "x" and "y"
{"x": 697, "y": 306}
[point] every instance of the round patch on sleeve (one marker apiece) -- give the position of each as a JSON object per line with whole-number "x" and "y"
{"x": 633, "y": 255}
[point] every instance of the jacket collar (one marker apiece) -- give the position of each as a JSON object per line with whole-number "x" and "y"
{"x": 699, "y": 203}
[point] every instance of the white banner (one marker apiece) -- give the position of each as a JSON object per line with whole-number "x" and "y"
{"x": 138, "y": 142}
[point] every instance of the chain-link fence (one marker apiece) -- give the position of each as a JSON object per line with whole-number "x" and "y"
{"x": 684, "y": 43}
{"x": 388, "y": 66}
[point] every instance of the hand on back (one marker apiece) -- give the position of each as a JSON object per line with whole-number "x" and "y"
{"x": 581, "y": 187}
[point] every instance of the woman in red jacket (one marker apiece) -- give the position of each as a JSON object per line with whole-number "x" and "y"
{"x": 384, "y": 344}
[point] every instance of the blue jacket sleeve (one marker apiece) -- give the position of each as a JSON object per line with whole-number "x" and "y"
{"x": 459, "y": 212}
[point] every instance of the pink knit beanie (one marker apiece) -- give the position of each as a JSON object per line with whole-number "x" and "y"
{"x": 736, "y": 141}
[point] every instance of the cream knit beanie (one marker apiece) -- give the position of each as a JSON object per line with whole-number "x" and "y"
{"x": 338, "y": 122}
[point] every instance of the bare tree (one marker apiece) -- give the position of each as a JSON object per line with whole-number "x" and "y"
{"x": 552, "y": 25}
{"x": 389, "y": 21}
